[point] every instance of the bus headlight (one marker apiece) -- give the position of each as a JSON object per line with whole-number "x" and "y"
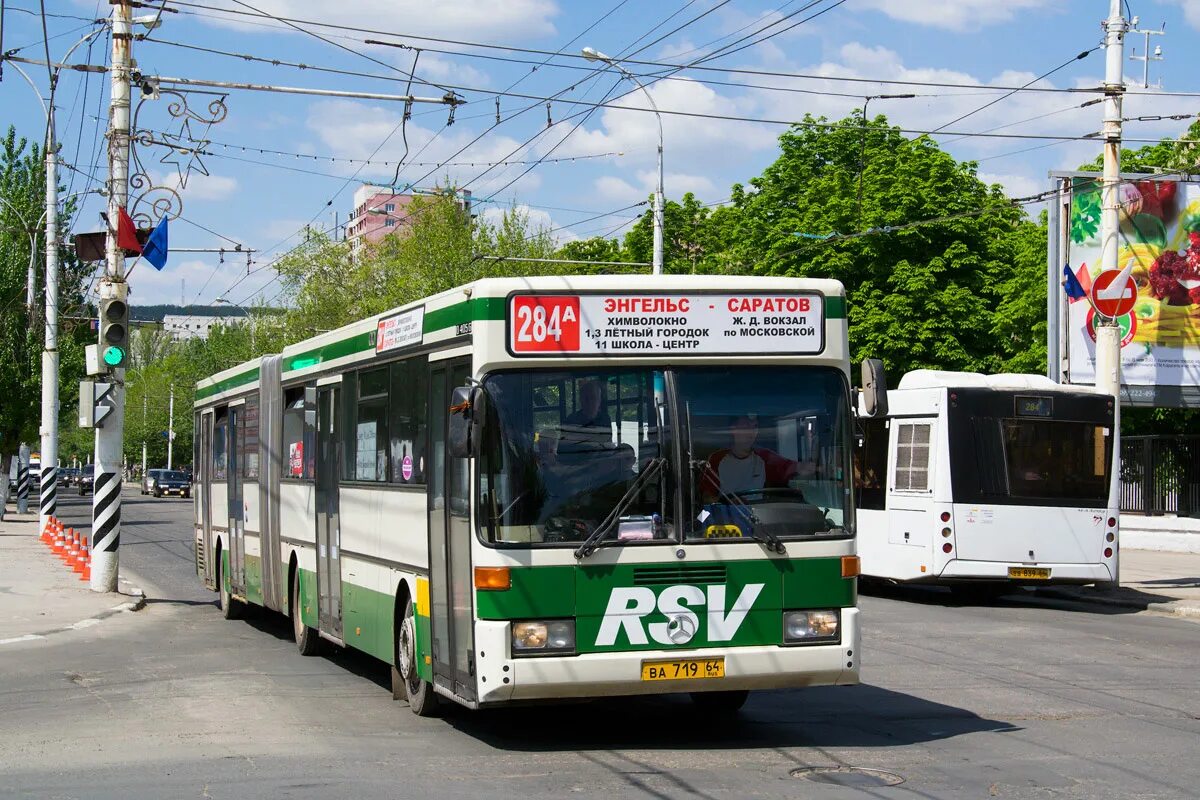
{"x": 804, "y": 627}
{"x": 549, "y": 636}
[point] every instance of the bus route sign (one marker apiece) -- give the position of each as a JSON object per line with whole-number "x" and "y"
{"x": 673, "y": 324}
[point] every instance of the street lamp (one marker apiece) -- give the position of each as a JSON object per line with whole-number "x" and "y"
{"x": 49, "y": 423}
{"x": 591, "y": 54}
{"x": 247, "y": 315}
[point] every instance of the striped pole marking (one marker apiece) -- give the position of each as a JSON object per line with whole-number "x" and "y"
{"x": 22, "y": 487}
{"x": 106, "y": 513}
{"x": 49, "y": 491}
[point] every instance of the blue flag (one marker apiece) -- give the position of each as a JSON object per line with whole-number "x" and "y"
{"x": 155, "y": 249}
{"x": 1071, "y": 284}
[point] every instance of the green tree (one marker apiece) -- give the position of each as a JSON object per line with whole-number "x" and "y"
{"x": 22, "y": 203}
{"x": 925, "y": 249}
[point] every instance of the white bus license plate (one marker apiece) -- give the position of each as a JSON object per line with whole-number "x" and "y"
{"x": 1030, "y": 573}
{"x": 683, "y": 669}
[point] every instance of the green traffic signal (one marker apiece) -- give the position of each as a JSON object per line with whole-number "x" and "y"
{"x": 114, "y": 356}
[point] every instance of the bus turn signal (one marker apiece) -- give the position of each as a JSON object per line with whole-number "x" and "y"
{"x": 851, "y": 566}
{"x": 493, "y": 578}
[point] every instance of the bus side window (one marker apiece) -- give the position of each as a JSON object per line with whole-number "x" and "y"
{"x": 871, "y": 465}
{"x": 912, "y": 456}
{"x": 220, "y": 441}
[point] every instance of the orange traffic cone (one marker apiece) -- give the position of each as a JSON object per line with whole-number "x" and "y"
{"x": 82, "y": 557}
{"x": 69, "y": 547}
{"x": 46, "y": 536}
{"x": 85, "y": 574}
{"x": 60, "y": 541}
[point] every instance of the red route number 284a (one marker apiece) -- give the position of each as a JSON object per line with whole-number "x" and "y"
{"x": 545, "y": 324}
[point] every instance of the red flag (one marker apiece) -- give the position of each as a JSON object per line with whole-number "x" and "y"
{"x": 127, "y": 233}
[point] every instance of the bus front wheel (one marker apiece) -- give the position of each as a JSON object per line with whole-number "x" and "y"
{"x": 406, "y": 679}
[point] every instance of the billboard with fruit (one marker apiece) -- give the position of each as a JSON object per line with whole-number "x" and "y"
{"x": 1160, "y": 238}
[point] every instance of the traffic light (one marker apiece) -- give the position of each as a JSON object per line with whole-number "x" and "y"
{"x": 114, "y": 332}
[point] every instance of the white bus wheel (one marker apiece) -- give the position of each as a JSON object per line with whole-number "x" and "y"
{"x": 420, "y": 695}
{"x": 230, "y": 608}
{"x": 308, "y": 642}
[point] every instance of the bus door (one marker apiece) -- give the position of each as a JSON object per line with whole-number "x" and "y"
{"x": 450, "y": 582}
{"x": 237, "y": 528}
{"x": 202, "y": 477}
{"x": 329, "y": 562}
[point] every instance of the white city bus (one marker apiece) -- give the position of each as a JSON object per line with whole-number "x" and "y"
{"x": 550, "y": 488}
{"x": 981, "y": 482}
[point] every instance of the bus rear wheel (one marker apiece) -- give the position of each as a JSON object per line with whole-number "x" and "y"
{"x": 308, "y": 641}
{"x": 721, "y": 703}
{"x": 406, "y": 679}
{"x": 231, "y": 608}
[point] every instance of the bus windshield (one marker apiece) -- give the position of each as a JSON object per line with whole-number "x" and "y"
{"x": 569, "y": 452}
{"x": 1057, "y": 459}
{"x": 767, "y": 449}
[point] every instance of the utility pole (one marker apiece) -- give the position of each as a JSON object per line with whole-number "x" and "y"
{"x": 48, "y": 491}
{"x": 23, "y": 480}
{"x": 143, "y": 436}
{"x": 106, "y": 497}
{"x": 171, "y": 429}
{"x": 1146, "y": 57}
{"x": 1108, "y": 334}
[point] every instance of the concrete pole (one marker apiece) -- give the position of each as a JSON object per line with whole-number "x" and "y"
{"x": 171, "y": 429}
{"x": 23, "y": 481}
{"x": 1108, "y": 335}
{"x": 48, "y": 503}
{"x": 143, "y": 436}
{"x": 106, "y": 498}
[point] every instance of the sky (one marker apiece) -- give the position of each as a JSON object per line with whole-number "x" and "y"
{"x": 598, "y": 161}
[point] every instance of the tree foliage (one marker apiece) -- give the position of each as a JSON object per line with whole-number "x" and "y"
{"x": 22, "y": 330}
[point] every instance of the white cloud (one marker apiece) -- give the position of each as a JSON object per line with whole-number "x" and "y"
{"x": 618, "y": 191}
{"x": 1191, "y": 11}
{"x": 199, "y": 186}
{"x": 467, "y": 19}
{"x": 1015, "y": 185}
{"x": 955, "y": 15}
{"x": 352, "y": 129}
{"x": 178, "y": 280}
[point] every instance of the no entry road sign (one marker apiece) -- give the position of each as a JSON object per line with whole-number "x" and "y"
{"x": 1114, "y": 293}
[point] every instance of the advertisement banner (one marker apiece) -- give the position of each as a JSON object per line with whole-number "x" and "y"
{"x": 1160, "y": 239}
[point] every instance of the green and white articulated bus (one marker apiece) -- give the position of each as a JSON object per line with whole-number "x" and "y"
{"x": 559, "y": 487}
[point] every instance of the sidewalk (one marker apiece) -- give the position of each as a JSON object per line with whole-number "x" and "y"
{"x": 40, "y": 596}
{"x": 1150, "y": 579}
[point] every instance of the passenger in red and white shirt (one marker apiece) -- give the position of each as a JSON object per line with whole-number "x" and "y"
{"x": 742, "y": 467}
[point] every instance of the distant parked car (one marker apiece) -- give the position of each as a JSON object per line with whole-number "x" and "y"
{"x": 166, "y": 481}
{"x": 86, "y": 480}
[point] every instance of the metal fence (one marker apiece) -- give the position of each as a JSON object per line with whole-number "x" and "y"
{"x": 1161, "y": 475}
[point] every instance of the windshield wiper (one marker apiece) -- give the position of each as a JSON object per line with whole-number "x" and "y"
{"x": 594, "y": 542}
{"x": 764, "y": 537}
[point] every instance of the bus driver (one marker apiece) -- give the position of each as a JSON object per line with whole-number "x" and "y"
{"x": 742, "y": 467}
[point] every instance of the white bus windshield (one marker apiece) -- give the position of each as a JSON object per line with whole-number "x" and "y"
{"x": 762, "y": 454}
{"x": 1056, "y": 459}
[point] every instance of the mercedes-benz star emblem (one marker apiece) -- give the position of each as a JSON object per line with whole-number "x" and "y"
{"x": 681, "y": 629}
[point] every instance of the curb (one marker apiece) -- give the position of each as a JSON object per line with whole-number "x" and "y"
{"x": 1170, "y": 609}
{"x": 128, "y": 607}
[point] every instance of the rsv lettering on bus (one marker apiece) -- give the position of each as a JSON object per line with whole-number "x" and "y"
{"x": 681, "y": 605}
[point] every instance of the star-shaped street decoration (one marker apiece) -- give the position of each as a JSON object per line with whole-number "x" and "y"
{"x": 183, "y": 152}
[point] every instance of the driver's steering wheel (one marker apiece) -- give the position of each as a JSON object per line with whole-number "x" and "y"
{"x": 781, "y": 493}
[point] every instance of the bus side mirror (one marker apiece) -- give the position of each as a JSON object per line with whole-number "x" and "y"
{"x": 874, "y": 388}
{"x": 467, "y": 412}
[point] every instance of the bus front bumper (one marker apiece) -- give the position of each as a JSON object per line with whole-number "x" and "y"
{"x": 620, "y": 673}
{"x": 961, "y": 569}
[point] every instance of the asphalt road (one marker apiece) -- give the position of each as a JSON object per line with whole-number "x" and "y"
{"x": 1021, "y": 698}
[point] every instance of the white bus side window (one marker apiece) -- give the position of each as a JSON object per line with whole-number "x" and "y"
{"x": 912, "y": 457}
